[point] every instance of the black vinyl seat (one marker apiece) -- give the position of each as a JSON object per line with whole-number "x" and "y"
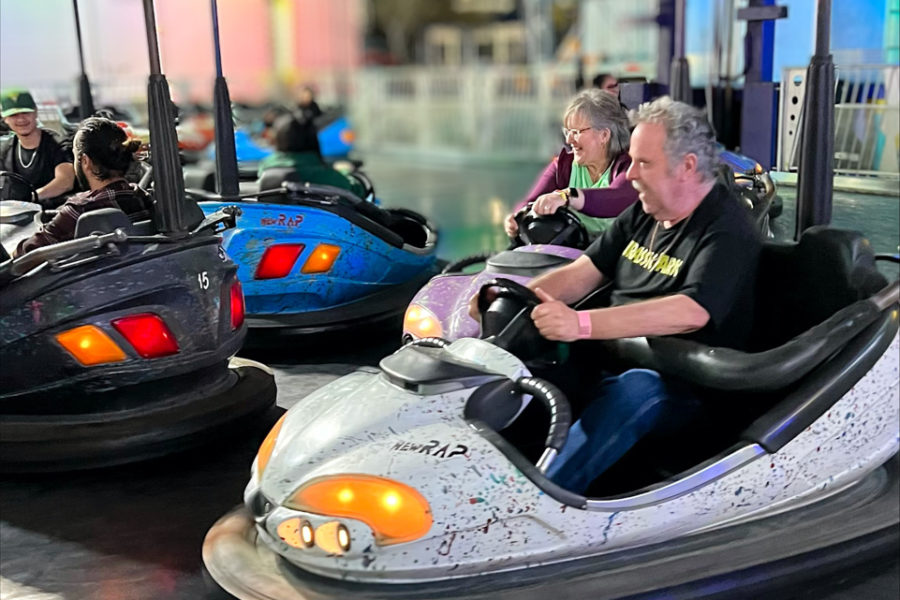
{"x": 101, "y": 220}
{"x": 272, "y": 179}
{"x": 810, "y": 302}
{"x": 816, "y": 333}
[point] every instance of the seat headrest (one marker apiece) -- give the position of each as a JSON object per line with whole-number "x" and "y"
{"x": 801, "y": 284}
{"x": 102, "y": 220}
{"x": 272, "y": 179}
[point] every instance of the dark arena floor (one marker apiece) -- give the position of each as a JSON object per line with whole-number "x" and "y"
{"x": 135, "y": 532}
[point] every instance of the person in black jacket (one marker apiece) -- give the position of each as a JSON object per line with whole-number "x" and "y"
{"x": 32, "y": 152}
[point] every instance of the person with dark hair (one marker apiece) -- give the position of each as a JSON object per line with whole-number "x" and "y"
{"x": 103, "y": 154}
{"x": 608, "y": 83}
{"x": 297, "y": 146}
{"x": 32, "y": 152}
{"x": 307, "y": 105}
{"x": 589, "y": 175}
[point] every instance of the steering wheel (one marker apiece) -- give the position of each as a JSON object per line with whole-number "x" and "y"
{"x": 20, "y": 180}
{"x": 146, "y": 179}
{"x": 562, "y": 228}
{"x": 506, "y": 319}
{"x": 506, "y": 288}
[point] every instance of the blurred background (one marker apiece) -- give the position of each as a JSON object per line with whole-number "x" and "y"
{"x": 455, "y": 105}
{"x": 483, "y": 78}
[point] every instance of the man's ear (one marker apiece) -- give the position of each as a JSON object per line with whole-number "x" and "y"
{"x": 689, "y": 165}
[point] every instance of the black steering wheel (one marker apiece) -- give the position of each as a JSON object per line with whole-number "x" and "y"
{"x": 19, "y": 180}
{"x": 562, "y": 228}
{"x": 505, "y": 308}
{"x": 505, "y": 288}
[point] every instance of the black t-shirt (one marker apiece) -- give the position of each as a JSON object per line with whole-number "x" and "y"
{"x": 37, "y": 166}
{"x": 711, "y": 257}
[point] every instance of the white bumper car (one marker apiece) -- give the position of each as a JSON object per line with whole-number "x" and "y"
{"x": 416, "y": 480}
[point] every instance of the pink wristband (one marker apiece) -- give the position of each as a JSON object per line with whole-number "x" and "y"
{"x": 584, "y": 324}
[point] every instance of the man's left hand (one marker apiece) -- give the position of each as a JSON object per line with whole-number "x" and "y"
{"x": 554, "y": 319}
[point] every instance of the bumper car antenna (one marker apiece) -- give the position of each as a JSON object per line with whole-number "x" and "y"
{"x": 86, "y": 99}
{"x": 174, "y": 215}
{"x": 226, "y": 155}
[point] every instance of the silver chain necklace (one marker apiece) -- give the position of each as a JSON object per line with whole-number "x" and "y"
{"x": 675, "y": 239}
{"x": 21, "y": 161}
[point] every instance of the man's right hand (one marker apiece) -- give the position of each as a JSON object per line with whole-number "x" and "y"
{"x": 510, "y": 225}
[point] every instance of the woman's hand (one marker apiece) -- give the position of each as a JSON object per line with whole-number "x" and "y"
{"x": 510, "y": 225}
{"x": 547, "y": 204}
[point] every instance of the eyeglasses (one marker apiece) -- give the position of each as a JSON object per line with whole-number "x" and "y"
{"x": 575, "y": 133}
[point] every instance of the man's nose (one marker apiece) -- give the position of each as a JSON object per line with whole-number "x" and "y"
{"x": 631, "y": 173}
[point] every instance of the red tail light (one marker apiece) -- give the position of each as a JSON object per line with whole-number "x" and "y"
{"x": 148, "y": 334}
{"x": 277, "y": 261}
{"x": 237, "y": 305}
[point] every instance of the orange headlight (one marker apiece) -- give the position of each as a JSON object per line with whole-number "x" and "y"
{"x": 90, "y": 346}
{"x": 265, "y": 449}
{"x": 394, "y": 511}
{"x": 421, "y": 322}
{"x": 321, "y": 259}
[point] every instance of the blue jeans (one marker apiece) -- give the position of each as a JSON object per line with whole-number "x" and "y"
{"x": 624, "y": 409}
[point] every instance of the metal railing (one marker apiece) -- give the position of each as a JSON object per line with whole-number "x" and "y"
{"x": 498, "y": 112}
{"x": 866, "y": 120}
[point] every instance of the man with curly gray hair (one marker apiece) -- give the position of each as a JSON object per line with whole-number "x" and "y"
{"x": 681, "y": 261}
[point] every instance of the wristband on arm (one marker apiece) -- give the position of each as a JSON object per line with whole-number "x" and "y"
{"x": 565, "y": 195}
{"x": 584, "y": 324}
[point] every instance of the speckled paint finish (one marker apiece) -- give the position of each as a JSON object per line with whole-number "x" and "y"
{"x": 365, "y": 265}
{"x": 161, "y": 279}
{"x": 447, "y": 296}
{"x": 488, "y": 516}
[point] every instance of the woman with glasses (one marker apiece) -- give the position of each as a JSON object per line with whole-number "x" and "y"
{"x": 588, "y": 176}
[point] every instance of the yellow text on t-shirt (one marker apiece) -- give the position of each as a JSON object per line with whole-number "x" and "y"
{"x": 652, "y": 261}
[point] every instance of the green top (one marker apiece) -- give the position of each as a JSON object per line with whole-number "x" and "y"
{"x": 581, "y": 179}
{"x": 311, "y": 169}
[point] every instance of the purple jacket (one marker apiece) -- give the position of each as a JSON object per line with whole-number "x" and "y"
{"x": 599, "y": 202}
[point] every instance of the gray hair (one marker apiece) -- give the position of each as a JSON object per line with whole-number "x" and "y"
{"x": 688, "y": 131}
{"x": 602, "y": 109}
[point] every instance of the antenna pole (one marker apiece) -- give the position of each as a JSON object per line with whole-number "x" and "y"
{"x": 227, "y": 182}
{"x": 86, "y": 100}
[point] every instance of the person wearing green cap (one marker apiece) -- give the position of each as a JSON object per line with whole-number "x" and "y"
{"x": 32, "y": 152}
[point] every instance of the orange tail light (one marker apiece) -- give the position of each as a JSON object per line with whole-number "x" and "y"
{"x": 90, "y": 346}
{"x": 321, "y": 259}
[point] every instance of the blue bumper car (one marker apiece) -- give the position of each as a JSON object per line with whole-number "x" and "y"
{"x": 318, "y": 258}
{"x": 336, "y": 137}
